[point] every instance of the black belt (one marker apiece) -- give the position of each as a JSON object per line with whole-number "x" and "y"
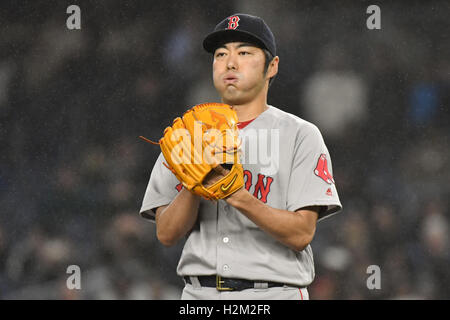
{"x": 228, "y": 284}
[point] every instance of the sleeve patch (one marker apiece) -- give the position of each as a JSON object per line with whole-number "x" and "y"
{"x": 321, "y": 170}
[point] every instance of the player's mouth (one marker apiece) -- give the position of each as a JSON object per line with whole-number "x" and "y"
{"x": 230, "y": 79}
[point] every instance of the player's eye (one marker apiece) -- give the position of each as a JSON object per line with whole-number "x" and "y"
{"x": 244, "y": 53}
{"x": 220, "y": 54}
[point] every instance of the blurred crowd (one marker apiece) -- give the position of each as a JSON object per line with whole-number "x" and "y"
{"x": 73, "y": 171}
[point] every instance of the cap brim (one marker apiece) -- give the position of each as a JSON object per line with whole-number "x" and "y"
{"x": 217, "y": 38}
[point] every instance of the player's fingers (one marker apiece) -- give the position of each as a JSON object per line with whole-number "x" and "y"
{"x": 221, "y": 170}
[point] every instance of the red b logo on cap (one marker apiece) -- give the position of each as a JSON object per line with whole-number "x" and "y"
{"x": 233, "y": 22}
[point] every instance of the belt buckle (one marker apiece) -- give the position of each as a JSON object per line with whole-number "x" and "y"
{"x": 219, "y": 283}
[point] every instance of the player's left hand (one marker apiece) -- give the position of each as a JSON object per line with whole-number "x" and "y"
{"x": 215, "y": 175}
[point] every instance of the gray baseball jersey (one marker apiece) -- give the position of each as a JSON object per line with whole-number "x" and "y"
{"x": 287, "y": 166}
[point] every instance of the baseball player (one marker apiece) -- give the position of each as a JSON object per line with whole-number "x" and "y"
{"x": 255, "y": 242}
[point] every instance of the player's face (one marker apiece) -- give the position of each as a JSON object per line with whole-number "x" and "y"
{"x": 238, "y": 72}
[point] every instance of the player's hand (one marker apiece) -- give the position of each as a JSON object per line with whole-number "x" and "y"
{"x": 215, "y": 175}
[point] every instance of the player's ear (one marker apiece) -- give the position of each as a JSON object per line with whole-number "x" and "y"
{"x": 272, "y": 70}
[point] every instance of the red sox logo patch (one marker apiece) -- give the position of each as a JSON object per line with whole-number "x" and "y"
{"x": 321, "y": 169}
{"x": 233, "y": 22}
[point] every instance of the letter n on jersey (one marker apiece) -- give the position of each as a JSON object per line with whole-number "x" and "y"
{"x": 262, "y": 187}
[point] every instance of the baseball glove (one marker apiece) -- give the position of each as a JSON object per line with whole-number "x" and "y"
{"x": 202, "y": 149}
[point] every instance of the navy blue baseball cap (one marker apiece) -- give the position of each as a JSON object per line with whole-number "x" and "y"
{"x": 241, "y": 27}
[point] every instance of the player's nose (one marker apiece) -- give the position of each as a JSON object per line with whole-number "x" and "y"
{"x": 232, "y": 61}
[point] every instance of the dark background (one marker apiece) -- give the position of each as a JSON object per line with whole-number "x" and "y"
{"x": 73, "y": 171}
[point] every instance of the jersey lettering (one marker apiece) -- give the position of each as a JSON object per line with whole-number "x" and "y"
{"x": 262, "y": 189}
{"x": 248, "y": 179}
